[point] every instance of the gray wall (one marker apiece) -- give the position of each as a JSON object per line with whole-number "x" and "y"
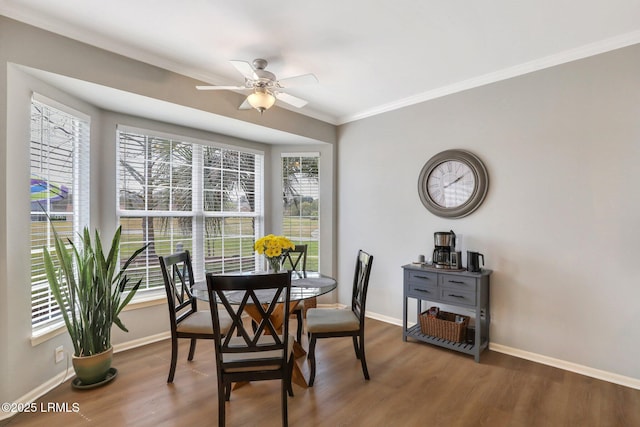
{"x": 27, "y": 367}
{"x": 560, "y": 225}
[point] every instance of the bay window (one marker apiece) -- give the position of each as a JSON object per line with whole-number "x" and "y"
{"x": 181, "y": 195}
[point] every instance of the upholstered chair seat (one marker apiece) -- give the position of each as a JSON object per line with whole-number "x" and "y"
{"x": 200, "y": 323}
{"x": 331, "y": 320}
{"x": 333, "y": 323}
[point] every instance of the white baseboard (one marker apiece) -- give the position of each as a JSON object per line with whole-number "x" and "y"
{"x": 60, "y": 378}
{"x": 568, "y": 366}
{"x": 385, "y": 319}
{"x": 539, "y": 358}
{"x": 534, "y": 357}
{"x": 141, "y": 341}
{"x": 39, "y": 391}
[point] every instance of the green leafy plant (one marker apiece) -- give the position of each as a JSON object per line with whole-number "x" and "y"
{"x": 90, "y": 289}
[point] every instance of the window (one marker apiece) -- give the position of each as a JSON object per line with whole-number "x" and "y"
{"x": 179, "y": 195}
{"x": 301, "y": 201}
{"x": 59, "y": 156}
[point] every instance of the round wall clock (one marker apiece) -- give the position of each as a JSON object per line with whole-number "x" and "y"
{"x": 453, "y": 184}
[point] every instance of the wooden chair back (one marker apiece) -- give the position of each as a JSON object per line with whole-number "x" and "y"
{"x": 245, "y": 353}
{"x": 184, "y": 318}
{"x": 177, "y": 273}
{"x": 295, "y": 260}
{"x": 361, "y": 284}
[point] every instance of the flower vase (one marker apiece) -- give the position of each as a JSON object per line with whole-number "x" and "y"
{"x": 274, "y": 264}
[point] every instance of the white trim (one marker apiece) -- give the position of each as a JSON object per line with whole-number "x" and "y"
{"x": 151, "y": 298}
{"x": 68, "y": 373}
{"x": 35, "y": 96}
{"x": 39, "y": 391}
{"x": 581, "y": 52}
{"x": 386, "y": 319}
{"x": 301, "y": 154}
{"x": 568, "y": 366}
{"x": 117, "y": 348}
{"x": 189, "y": 139}
{"x": 44, "y": 334}
{"x": 539, "y": 358}
{"x": 141, "y": 300}
{"x": 557, "y": 363}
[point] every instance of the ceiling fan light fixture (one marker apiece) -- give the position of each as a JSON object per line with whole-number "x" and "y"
{"x": 261, "y": 100}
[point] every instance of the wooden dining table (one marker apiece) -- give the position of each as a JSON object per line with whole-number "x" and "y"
{"x": 303, "y": 286}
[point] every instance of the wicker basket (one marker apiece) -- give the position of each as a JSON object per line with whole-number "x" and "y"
{"x": 444, "y": 326}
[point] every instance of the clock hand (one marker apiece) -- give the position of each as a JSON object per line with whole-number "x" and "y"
{"x": 454, "y": 181}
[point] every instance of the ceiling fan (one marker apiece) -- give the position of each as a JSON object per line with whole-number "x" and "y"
{"x": 264, "y": 86}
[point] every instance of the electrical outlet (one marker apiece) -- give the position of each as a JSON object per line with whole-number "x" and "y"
{"x": 59, "y": 354}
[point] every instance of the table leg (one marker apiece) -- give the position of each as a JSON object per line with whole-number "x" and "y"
{"x": 298, "y": 350}
{"x": 297, "y": 377}
{"x": 277, "y": 319}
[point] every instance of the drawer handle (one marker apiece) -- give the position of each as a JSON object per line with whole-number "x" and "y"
{"x": 456, "y": 296}
{"x": 423, "y": 277}
{"x": 423, "y": 291}
{"x": 457, "y": 282}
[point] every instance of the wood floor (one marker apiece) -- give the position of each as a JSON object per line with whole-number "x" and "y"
{"x": 412, "y": 384}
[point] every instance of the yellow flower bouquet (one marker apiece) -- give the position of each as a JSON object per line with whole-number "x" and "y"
{"x": 273, "y": 248}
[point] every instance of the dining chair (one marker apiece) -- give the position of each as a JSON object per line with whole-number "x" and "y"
{"x": 349, "y": 322}
{"x": 245, "y": 354}
{"x": 185, "y": 319}
{"x": 295, "y": 260}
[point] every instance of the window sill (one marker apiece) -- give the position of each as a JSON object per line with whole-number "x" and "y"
{"x": 141, "y": 301}
{"x": 147, "y": 299}
{"x": 46, "y": 333}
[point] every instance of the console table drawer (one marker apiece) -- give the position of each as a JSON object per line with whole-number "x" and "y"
{"x": 423, "y": 278}
{"x": 420, "y": 290}
{"x": 457, "y": 297}
{"x": 456, "y": 282}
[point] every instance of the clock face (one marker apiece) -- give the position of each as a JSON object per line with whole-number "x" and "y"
{"x": 451, "y": 183}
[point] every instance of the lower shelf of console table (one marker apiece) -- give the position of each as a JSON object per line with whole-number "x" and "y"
{"x": 463, "y": 347}
{"x": 465, "y": 290}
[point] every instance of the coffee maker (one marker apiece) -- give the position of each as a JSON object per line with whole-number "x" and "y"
{"x": 445, "y": 246}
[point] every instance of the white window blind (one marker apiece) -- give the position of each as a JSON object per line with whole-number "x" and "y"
{"x": 59, "y": 157}
{"x": 179, "y": 195}
{"x": 301, "y": 203}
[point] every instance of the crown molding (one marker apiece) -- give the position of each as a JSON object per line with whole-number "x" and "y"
{"x": 570, "y": 55}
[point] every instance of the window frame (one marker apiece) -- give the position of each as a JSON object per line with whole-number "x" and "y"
{"x": 197, "y": 213}
{"x": 80, "y": 131}
{"x": 314, "y": 258}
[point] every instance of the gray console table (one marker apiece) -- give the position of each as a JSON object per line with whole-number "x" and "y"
{"x": 454, "y": 288}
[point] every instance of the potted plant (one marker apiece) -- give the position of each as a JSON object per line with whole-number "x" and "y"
{"x": 90, "y": 290}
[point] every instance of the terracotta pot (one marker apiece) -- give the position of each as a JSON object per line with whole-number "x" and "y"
{"x": 93, "y": 369}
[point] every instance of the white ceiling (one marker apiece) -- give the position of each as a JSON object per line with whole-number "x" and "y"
{"x": 369, "y": 57}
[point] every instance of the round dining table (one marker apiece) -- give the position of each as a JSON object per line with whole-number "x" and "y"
{"x": 309, "y": 285}
{"x": 303, "y": 286}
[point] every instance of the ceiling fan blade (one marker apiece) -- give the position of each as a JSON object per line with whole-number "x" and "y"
{"x": 244, "y": 68}
{"x": 303, "y": 79}
{"x": 291, "y": 100}
{"x": 245, "y": 106}
{"x": 220, "y": 87}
